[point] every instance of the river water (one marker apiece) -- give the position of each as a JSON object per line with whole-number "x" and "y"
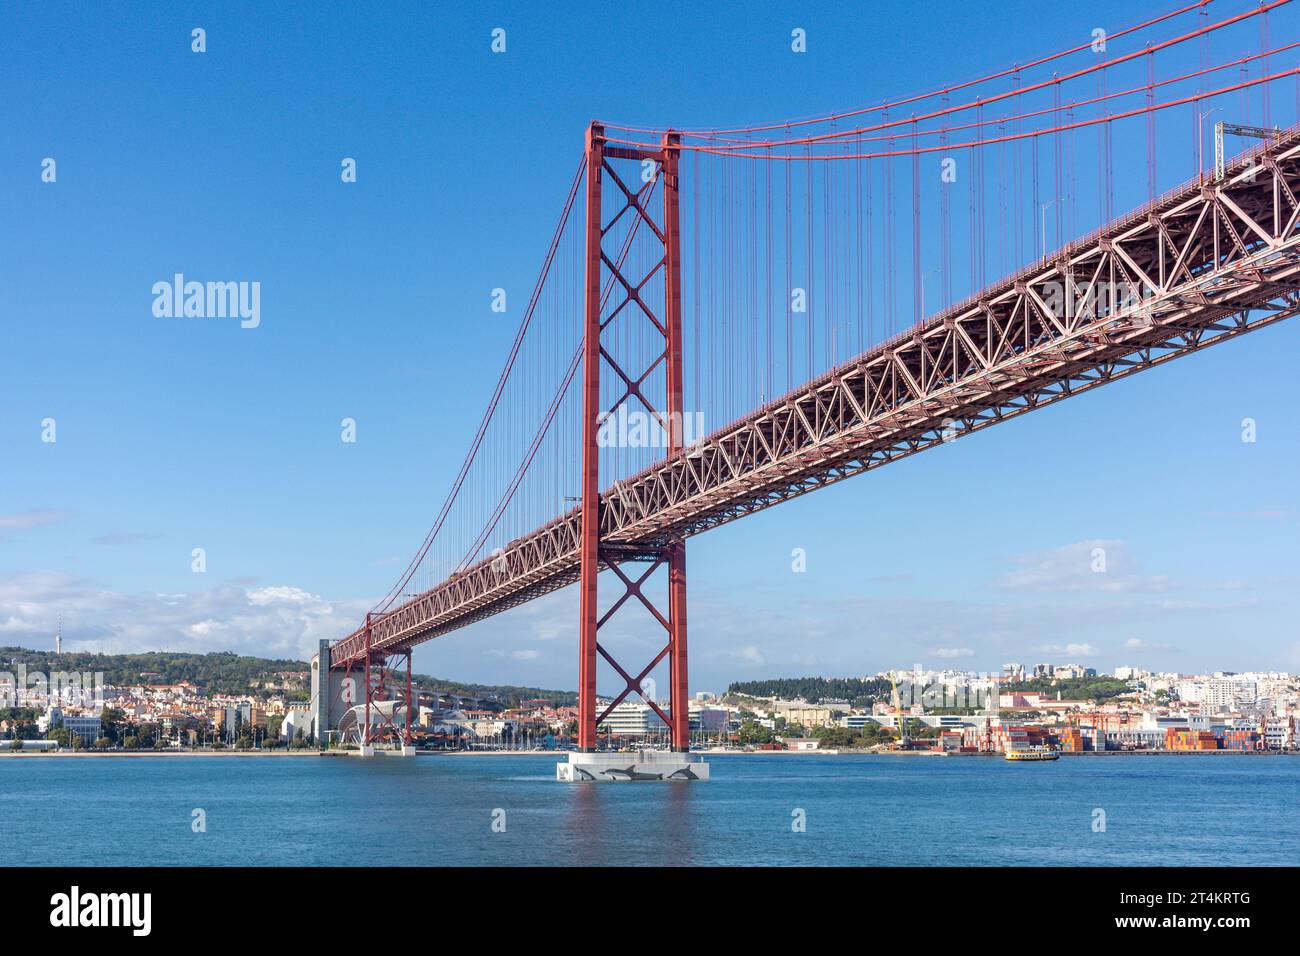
{"x": 757, "y": 809}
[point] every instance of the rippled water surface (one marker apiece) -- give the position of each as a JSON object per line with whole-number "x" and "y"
{"x": 857, "y": 809}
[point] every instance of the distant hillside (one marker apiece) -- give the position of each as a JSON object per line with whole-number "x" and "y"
{"x": 224, "y": 672}
{"x": 221, "y": 672}
{"x": 507, "y": 694}
{"x": 1075, "y": 688}
{"x": 857, "y": 691}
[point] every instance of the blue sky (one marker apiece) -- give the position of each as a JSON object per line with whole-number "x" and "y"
{"x": 174, "y": 435}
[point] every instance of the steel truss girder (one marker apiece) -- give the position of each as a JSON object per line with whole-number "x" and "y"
{"x": 1211, "y": 260}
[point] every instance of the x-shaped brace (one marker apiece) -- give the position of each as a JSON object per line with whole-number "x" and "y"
{"x": 633, "y": 684}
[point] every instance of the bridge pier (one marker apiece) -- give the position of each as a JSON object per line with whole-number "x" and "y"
{"x": 642, "y": 766}
{"x": 369, "y": 750}
{"x": 354, "y": 700}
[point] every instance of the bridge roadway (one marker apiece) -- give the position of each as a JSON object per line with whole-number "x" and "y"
{"x": 1209, "y": 261}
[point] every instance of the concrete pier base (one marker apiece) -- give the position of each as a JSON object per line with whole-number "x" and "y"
{"x": 403, "y": 751}
{"x": 642, "y": 765}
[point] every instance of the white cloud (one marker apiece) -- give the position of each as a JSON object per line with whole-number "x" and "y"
{"x": 549, "y": 618}
{"x": 749, "y": 655}
{"x": 275, "y": 621}
{"x": 264, "y": 597}
{"x": 117, "y": 538}
{"x": 1073, "y": 650}
{"x": 954, "y": 652}
{"x": 29, "y": 520}
{"x": 1098, "y": 564}
{"x": 1135, "y": 644}
{"x": 523, "y": 655}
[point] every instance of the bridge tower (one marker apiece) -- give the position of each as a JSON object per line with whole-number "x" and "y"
{"x": 628, "y": 176}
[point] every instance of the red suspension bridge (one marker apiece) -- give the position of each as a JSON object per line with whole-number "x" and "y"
{"x": 726, "y": 319}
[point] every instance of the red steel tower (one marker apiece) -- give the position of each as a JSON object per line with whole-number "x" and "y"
{"x": 666, "y": 319}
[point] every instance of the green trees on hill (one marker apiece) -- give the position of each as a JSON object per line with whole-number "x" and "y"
{"x": 220, "y": 672}
{"x": 841, "y": 738}
{"x": 1071, "y": 688}
{"x": 224, "y": 672}
{"x": 858, "y": 691}
{"x": 507, "y": 695}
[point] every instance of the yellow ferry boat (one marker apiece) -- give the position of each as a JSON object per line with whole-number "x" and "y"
{"x": 1032, "y": 753}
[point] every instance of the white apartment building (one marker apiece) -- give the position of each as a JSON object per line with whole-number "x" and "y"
{"x": 296, "y": 718}
{"x": 492, "y": 728}
{"x": 1227, "y": 693}
{"x": 1279, "y": 733}
{"x": 635, "y": 718}
{"x": 808, "y": 715}
{"x": 1073, "y": 671}
{"x": 632, "y": 718}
